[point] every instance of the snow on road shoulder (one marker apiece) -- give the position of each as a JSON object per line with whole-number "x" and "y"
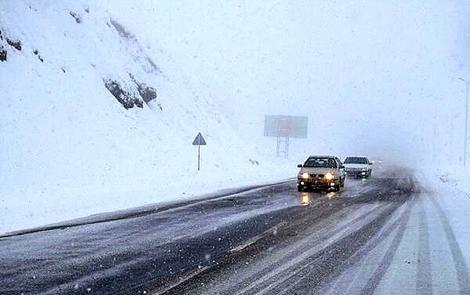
{"x": 450, "y": 190}
{"x": 51, "y": 207}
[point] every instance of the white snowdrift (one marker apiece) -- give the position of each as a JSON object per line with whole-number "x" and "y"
{"x": 69, "y": 149}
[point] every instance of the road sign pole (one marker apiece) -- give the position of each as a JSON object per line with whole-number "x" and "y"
{"x": 467, "y": 84}
{"x": 198, "y": 157}
{"x": 466, "y": 126}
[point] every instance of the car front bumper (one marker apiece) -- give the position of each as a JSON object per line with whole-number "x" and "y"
{"x": 317, "y": 183}
{"x": 358, "y": 173}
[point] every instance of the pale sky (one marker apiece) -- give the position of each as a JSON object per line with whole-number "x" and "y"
{"x": 367, "y": 72}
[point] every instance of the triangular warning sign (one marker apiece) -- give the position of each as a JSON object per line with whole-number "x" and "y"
{"x": 199, "y": 140}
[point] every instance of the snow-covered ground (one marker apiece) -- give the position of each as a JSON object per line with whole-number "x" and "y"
{"x": 69, "y": 148}
{"x": 447, "y": 206}
{"x": 456, "y": 176}
{"x": 452, "y": 192}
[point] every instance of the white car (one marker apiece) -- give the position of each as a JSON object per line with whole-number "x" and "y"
{"x": 359, "y": 167}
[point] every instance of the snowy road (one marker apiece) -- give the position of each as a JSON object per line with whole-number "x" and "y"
{"x": 384, "y": 235}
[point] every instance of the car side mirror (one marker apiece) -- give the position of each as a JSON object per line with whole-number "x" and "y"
{"x": 341, "y": 167}
{"x": 300, "y": 166}
{"x": 371, "y": 163}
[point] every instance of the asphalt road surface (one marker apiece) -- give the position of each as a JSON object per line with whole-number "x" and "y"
{"x": 372, "y": 237}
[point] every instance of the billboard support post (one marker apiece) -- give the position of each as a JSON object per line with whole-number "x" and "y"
{"x": 284, "y": 128}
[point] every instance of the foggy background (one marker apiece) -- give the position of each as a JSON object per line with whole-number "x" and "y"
{"x": 374, "y": 77}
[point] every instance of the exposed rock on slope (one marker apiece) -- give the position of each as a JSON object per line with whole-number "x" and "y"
{"x": 3, "y": 54}
{"x": 126, "y": 98}
{"x": 14, "y": 43}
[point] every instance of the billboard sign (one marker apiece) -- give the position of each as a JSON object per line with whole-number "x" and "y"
{"x": 285, "y": 126}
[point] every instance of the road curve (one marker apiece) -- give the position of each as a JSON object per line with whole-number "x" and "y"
{"x": 269, "y": 240}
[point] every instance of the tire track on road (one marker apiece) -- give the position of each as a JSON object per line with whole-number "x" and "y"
{"x": 424, "y": 272}
{"x": 457, "y": 255}
{"x": 353, "y": 246}
{"x": 387, "y": 231}
{"x": 289, "y": 264}
{"x": 385, "y": 263}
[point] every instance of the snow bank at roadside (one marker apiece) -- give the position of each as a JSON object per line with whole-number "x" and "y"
{"x": 456, "y": 176}
{"x": 450, "y": 190}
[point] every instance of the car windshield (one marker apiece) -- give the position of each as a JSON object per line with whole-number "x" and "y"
{"x": 356, "y": 160}
{"x": 320, "y": 163}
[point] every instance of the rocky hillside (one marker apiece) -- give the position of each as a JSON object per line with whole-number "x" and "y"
{"x": 93, "y": 119}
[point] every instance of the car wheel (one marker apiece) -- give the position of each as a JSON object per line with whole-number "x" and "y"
{"x": 300, "y": 188}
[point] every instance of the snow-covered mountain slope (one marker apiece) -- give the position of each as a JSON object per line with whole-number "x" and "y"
{"x": 93, "y": 120}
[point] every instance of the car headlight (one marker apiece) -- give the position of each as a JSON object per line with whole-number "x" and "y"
{"x": 304, "y": 175}
{"x": 329, "y": 176}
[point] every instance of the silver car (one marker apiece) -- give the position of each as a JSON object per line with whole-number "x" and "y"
{"x": 321, "y": 173}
